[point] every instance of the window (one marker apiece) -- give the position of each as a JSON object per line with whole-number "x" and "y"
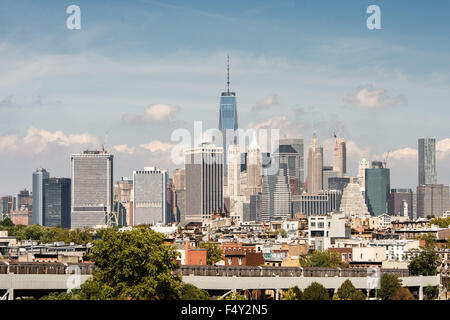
{"x": 240, "y": 261}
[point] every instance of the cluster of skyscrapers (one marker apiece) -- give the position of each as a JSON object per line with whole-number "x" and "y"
{"x": 227, "y": 180}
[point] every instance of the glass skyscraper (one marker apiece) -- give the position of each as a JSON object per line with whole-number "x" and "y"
{"x": 39, "y": 177}
{"x": 377, "y": 188}
{"x": 228, "y": 121}
{"x": 427, "y": 161}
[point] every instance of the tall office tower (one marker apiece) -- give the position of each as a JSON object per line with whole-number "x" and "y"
{"x": 39, "y": 176}
{"x": 340, "y": 157}
{"x": 427, "y": 161}
{"x": 352, "y": 203}
{"x": 377, "y": 188}
{"x": 363, "y": 165}
{"x": 396, "y": 199}
{"x": 228, "y": 120}
{"x": 92, "y": 188}
{"x": 298, "y": 145}
{"x": 123, "y": 191}
{"x": 204, "y": 181}
{"x": 276, "y": 196}
{"x": 57, "y": 202}
{"x": 432, "y": 200}
{"x": 254, "y": 168}
{"x": 150, "y": 196}
{"x": 315, "y": 167}
{"x": 24, "y": 200}
{"x": 179, "y": 179}
{"x": 180, "y": 205}
{"x": 234, "y": 172}
{"x": 327, "y": 173}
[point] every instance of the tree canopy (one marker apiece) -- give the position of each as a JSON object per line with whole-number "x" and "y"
{"x": 389, "y": 285}
{"x": 440, "y": 222}
{"x": 325, "y": 259}
{"x": 315, "y": 291}
{"x": 44, "y": 234}
{"x": 213, "y": 253}
{"x": 403, "y": 294}
{"x": 292, "y": 294}
{"x": 191, "y": 292}
{"x": 347, "y": 291}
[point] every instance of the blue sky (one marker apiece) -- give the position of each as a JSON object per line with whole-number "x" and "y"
{"x": 300, "y": 66}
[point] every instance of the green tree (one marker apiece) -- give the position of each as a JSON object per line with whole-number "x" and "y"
{"x": 213, "y": 253}
{"x": 7, "y": 222}
{"x": 293, "y": 294}
{"x": 325, "y": 259}
{"x": 347, "y": 291}
{"x": 430, "y": 292}
{"x": 191, "y": 292}
{"x": 440, "y": 222}
{"x": 389, "y": 284}
{"x": 424, "y": 262}
{"x": 133, "y": 265}
{"x": 403, "y": 294}
{"x": 315, "y": 291}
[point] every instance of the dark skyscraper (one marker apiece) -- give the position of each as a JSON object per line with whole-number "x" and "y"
{"x": 57, "y": 202}
{"x": 228, "y": 122}
{"x": 377, "y": 188}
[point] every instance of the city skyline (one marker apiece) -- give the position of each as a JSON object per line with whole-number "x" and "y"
{"x": 67, "y": 91}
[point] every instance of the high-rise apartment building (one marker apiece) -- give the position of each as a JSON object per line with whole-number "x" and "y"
{"x": 92, "y": 188}
{"x": 57, "y": 202}
{"x": 150, "y": 196}
{"x": 377, "y": 188}
{"x": 39, "y": 176}
{"x": 288, "y": 155}
{"x": 298, "y": 145}
{"x": 340, "y": 157}
{"x": 204, "y": 182}
{"x": 314, "y": 179}
{"x": 427, "y": 161}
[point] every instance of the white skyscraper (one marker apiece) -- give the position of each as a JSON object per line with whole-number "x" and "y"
{"x": 314, "y": 181}
{"x": 92, "y": 188}
{"x": 363, "y": 165}
{"x": 353, "y": 203}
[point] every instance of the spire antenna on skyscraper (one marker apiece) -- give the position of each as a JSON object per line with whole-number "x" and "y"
{"x": 228, "y": 74}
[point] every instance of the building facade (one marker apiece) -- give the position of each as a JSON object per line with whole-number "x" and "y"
{"x": 432, "y": 200}
{"x": 92, "y": 188}
{"x": 314, "y": 179}
{"x": 204, "y": 181}
{"x": 377, "y": 188}
{"x": 150, "y": 196}
{"x": 39, "y": 176}
{"x": 57, "y": 202}
{"x": 427, "y": 161}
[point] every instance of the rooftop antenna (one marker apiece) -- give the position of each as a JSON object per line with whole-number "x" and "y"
{"x": 228, "y": 74}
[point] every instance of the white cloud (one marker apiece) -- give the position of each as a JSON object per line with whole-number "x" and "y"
{"x": 154, "y": 113}
{"x": 123, "y": 148}
{"x": 157, "y": 146}
{"x": 36, "y": 140}
{"x": 370, "y": 98}
{"x": 266, "y": 103}
{"x": 443, "y": 149}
